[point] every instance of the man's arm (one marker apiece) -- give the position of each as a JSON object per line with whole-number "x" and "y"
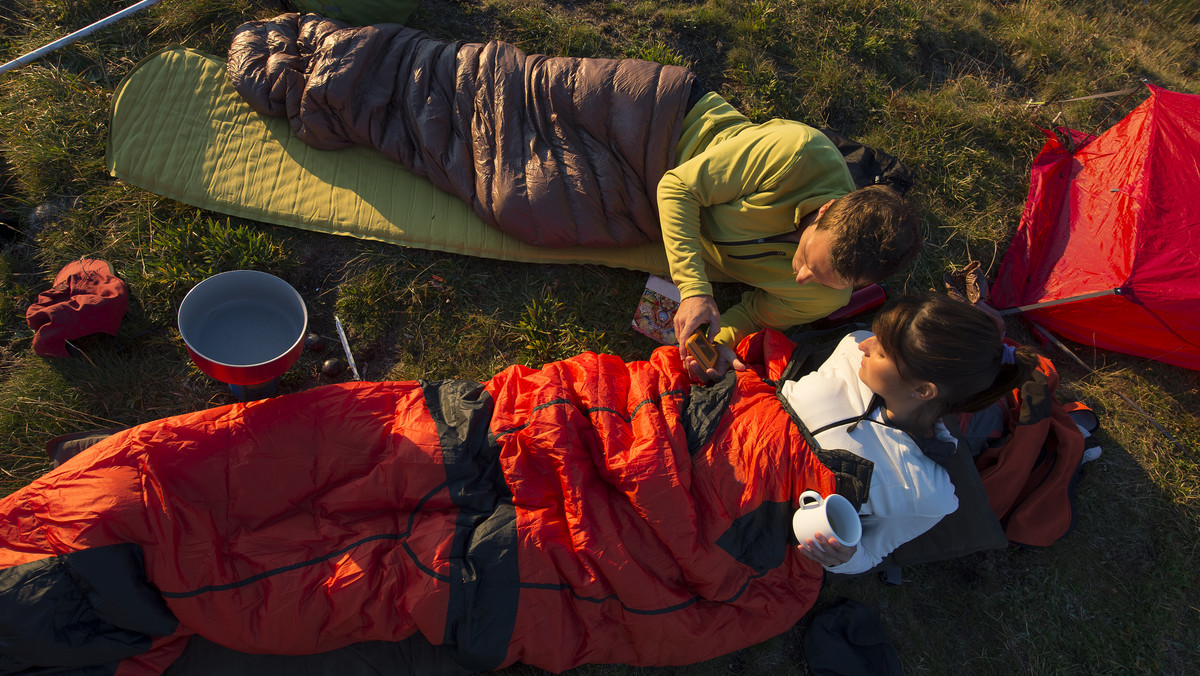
{"x": 760, "y": 309}
{"x": 746, "y": 164}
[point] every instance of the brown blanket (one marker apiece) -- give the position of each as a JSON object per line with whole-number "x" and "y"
{"x": 557, "y": 152}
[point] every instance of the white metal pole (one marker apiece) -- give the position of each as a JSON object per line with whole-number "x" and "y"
{"x": 1060, "y": 301}
{"x": 82, "y": 32}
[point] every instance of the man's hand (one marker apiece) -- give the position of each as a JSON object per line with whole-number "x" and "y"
{"x": 726, "y": 358}
{"x": 694, "y": 311}
{"x": 827, "y": 551}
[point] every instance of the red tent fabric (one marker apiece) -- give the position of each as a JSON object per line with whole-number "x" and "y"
{"x": 1121, "y": 215}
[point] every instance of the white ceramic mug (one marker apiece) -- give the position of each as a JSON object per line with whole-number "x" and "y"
{"x": 832, "y": 515}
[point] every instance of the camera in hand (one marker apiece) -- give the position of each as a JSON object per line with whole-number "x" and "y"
{"x": 702, "y": 349}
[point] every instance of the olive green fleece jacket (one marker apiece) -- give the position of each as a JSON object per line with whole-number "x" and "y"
{"x": 736, "y": 184}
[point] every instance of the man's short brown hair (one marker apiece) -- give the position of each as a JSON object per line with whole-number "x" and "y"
{"x": 876, "y": 231}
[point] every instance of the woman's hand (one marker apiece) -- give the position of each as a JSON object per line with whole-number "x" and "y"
{"x": 827, "y": 551}
{"x": 726, "y": 357}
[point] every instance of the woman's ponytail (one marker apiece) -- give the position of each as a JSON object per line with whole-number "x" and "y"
{"x": 1009, "y": 376}
{"x": 955, "y": 346}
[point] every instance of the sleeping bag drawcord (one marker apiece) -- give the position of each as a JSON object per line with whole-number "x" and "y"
{"x": 876, "y": 402}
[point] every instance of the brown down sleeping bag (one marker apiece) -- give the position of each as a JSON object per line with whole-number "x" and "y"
{"x": 557, "y": 152}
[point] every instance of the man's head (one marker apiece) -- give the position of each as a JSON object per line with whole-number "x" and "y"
{"x": 870, "y": 234}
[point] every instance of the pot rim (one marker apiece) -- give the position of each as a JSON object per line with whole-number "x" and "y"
{"x": 280, "y": 356}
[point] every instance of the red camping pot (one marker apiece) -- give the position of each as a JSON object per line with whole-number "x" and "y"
{"x": 243, "y": 327}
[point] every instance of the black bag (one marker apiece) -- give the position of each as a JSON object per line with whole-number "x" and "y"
{"x": 847, "y": 639}
{"x": 872, "y": 166}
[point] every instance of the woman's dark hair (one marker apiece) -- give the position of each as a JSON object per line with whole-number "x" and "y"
{"x": 955, "y": 346}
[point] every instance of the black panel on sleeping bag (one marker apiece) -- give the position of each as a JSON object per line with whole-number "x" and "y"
{"x": 484, "y": 579}
{"x": 90, "y": 608}
{"x": 704, "y": 408}
{"x": 758, "y": 539}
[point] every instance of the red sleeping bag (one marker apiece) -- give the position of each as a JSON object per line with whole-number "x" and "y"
{"x": 591, "y": 511}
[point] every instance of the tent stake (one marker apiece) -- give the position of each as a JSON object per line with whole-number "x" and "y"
{"x": 1119, "y": 393}
{"x": 82, "y": 32}
{"x": 1060, "y": 301}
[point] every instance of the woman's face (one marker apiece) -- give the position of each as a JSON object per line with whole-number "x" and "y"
{"x": 880, "y": 373}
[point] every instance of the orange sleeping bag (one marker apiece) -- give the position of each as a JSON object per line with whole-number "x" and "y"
{"x": 592, "y": 511}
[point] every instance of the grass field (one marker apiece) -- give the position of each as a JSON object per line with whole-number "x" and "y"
{"x": 944, "y": 86}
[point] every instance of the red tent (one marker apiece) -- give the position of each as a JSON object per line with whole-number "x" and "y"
{"x": 1111, "y": 231}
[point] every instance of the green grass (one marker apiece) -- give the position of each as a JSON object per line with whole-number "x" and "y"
{"x": 942, "y": 85}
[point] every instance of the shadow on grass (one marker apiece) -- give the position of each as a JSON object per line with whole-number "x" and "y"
{"x": 1117, "y": 593}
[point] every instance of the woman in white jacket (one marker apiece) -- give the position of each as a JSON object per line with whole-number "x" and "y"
{"x": 881, "y": 395}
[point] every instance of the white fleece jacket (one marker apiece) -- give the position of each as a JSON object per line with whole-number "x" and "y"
{"x": 909, "y": 493}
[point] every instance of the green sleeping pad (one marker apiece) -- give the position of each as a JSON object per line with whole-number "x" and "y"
{"x": 178, "y": 129}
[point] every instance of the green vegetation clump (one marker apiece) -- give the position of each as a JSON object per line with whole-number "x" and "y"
{"x": 181, "y": 255}
{"x": 956, "y": 89}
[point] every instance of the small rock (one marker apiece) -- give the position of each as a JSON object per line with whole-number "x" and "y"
{"x": 333, "y": 366}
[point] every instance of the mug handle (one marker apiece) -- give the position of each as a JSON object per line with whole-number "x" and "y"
{"x": 810, "y": 495}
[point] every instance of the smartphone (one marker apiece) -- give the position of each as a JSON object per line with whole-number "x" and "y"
{"x": 699, "y": 346}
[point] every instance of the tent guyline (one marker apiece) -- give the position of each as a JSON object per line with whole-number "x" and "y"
{"x": 1038, "y": 104}
{"x": 1090, "y": 371}
{"x": 1071, "y": 140}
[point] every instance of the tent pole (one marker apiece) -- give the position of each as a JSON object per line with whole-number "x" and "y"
{"x": 1060, "y": 301}
{"x": 1119, "y": 393}
{"x": 82, "y": 32}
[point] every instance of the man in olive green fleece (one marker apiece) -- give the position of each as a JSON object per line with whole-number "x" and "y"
{"x": 558, "y": 151}
{"x": 771, "y": 205}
